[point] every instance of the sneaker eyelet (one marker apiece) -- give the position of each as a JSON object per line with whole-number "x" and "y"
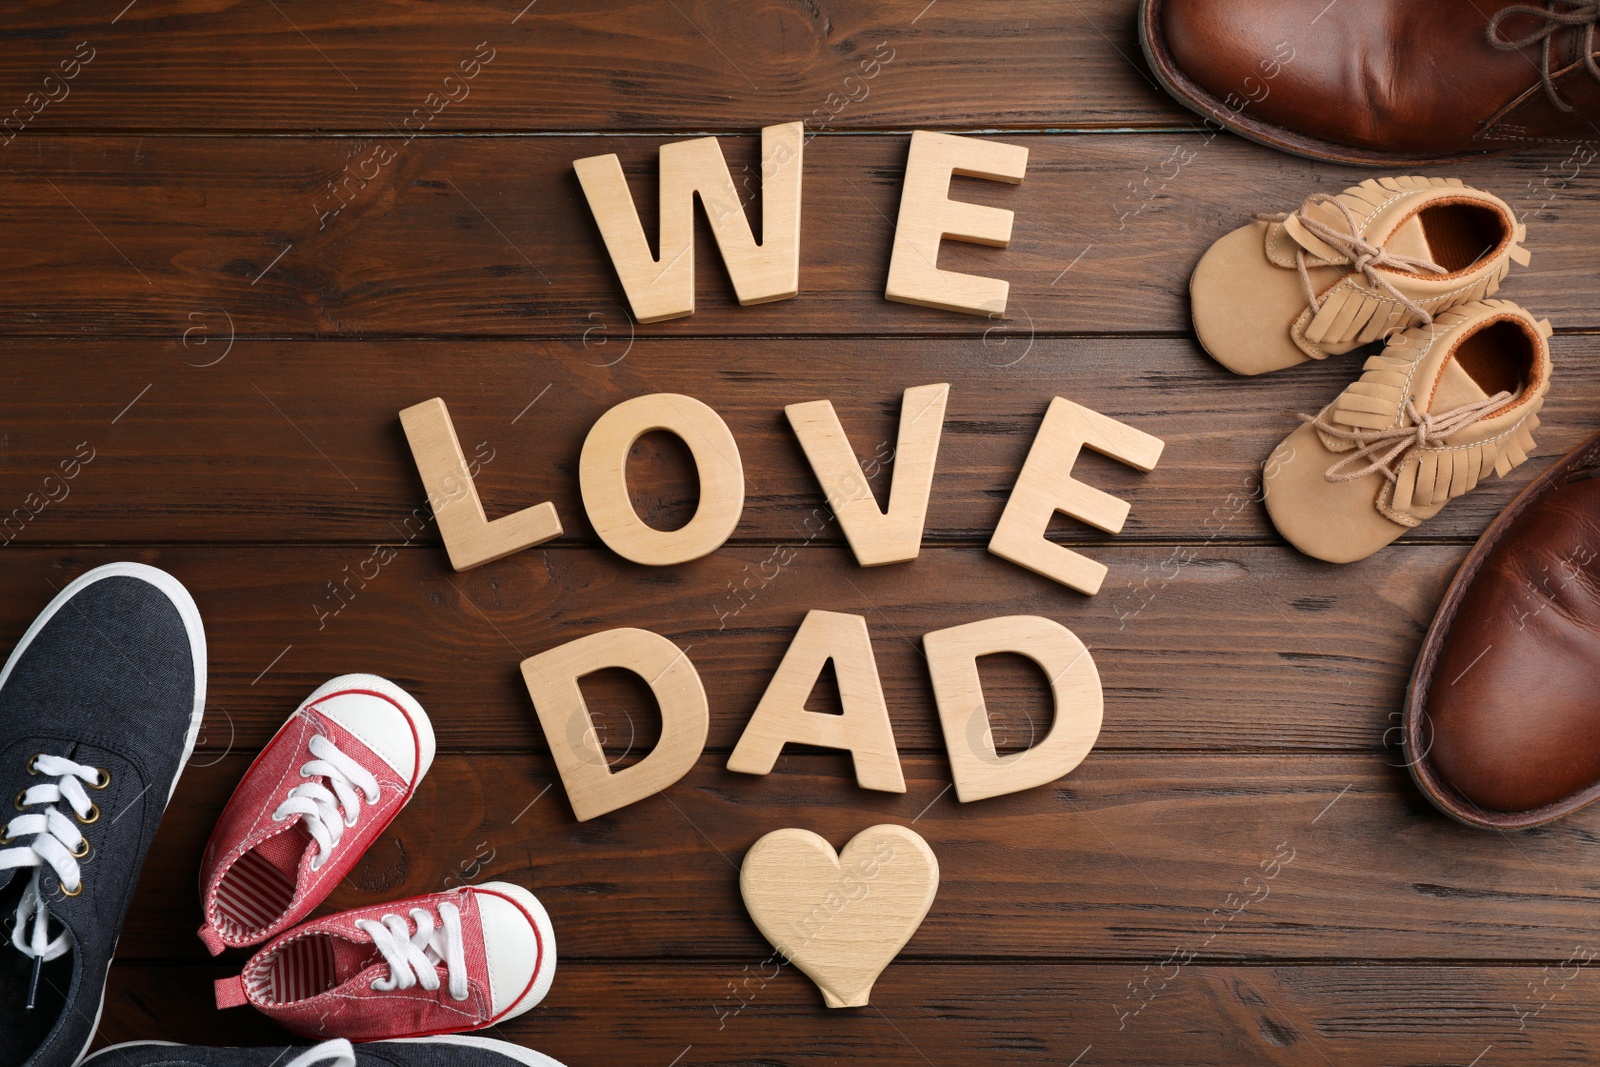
{"x": 92, "y": 817}
{"x": 278, "y": 816}
{"x": 33, "y": 764}
{"x": 79, "y": 855}
{"x": 105, "y": 779}
{"x": 20, "y": 806}
{"x": 316, "y": 863}
{"x": 5, "y": 839}
{"x": 71, "y": 892}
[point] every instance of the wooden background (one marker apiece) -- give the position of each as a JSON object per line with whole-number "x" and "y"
{"x": 168, "y": 300}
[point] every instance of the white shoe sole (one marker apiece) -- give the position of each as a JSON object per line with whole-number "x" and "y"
{"x": 547, "y": 940}
{"x": 503, "y": 1048}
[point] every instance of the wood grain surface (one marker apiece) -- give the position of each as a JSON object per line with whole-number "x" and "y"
{"x": 240, "y": 238}
{"x": 565, "y": 65}
{"x": 1238, "y": 648}
{"x": 490, "y": 236}
{"x": 301, "y": 441}
{"x": 727, "y": 1014}
{"x": 1132, "y": 856}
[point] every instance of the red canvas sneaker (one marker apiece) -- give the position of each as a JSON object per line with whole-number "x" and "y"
{"x": 438, "y": 964}
{"x": 316, "y": 798}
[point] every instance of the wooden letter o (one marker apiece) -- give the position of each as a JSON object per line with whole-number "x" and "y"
{"x": 603, "y": 479}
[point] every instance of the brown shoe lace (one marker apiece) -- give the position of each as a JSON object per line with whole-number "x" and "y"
{"x": 1426, "y": 431}
{"x": 1554, "y": 19}
{"x": 1365, "y": 256}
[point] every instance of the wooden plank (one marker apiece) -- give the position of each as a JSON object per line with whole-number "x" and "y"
{"x": 124, "y": 235}
{"x": 638, "y": 1012}
{"x": 1252, "y": 648}
{"x": 1131, "y": 857}
{"x": 561, "y": 66}
{"x": 301, "y": 441}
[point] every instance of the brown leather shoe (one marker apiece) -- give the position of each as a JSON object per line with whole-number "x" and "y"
{"x": 1502, "y": 719}
{"x": 1382, "y": 82}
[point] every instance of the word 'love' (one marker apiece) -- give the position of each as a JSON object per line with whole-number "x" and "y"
{"x": 876, "y": 536}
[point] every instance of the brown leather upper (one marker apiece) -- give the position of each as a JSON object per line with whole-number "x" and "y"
{"x": 1514, "y": 699}
{"x": 1405, "y": 76}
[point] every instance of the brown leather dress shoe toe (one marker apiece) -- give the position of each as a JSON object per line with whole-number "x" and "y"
{"x": 1502, "y": 719}
{"x": 1382, "y": 82}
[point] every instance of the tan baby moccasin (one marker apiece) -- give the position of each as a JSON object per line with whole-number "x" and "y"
{"x": 1439, "y": 408}
{"x": 1350, "y": 269}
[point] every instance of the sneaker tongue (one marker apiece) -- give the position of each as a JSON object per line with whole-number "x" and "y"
{"x": 1410, "y": 240}
{"x": 286, "y": 850}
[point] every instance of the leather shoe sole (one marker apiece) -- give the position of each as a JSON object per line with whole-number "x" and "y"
{"x": 1417, "y": 737}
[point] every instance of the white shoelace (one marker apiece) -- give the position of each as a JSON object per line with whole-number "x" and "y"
{"x": 413, "y": 958}
{"x": 319, "y": 806}
{"x": 56, "y": 842}
{"x": 338, "y": 1051}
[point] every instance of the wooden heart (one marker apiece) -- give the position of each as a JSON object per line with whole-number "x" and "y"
{"x": 840, "y": 917}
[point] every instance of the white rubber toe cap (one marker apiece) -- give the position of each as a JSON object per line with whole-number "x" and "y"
{"x": 385, "y": 718}
{"x": 520, "y": 944}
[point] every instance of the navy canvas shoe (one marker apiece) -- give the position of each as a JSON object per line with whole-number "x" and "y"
{"x": 454, "y": 1051}
{"x": 100, "y": 704}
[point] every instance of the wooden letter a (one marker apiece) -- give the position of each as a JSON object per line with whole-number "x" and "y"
{"x": 863, "y": 730}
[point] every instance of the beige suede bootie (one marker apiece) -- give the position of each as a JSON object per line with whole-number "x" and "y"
{"x": 1346, "y": 270}
{"x": 1434, "y": 413}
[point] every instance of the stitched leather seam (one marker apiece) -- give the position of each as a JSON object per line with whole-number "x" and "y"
{"x": 1542, "y": 140}
{"x": 1349, "y": 281}
{"x": 1486, "y": 441}
{"x": 1364, "y": 222}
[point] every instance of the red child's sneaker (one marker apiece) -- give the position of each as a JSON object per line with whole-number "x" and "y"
{"x": 438, "y": 964}
{"x": 313, "y": 801}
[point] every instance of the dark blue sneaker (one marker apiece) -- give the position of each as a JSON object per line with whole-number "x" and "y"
{"x": 100, "y": 704}
{"x": 456, "y": 1051}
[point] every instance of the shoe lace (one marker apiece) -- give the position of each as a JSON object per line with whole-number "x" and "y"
{"x": 413, "y": 958}
{"x": 1426, "y": 430}
{"x": 319, "y": 803}
{"x": 338, "y": 1051}
{"x": 1365, "y": 256}
{"x": 54, "y": 841}
{"x": 1553, "y": 19}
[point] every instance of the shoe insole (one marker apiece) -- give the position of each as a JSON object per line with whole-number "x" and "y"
{"x": 1496, "y": 358}
{"x": 313, "y": 965}
{"x": 302, "y": 969}
{"x": 260, "y": 885}
{"x": 1458, "y": 235}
